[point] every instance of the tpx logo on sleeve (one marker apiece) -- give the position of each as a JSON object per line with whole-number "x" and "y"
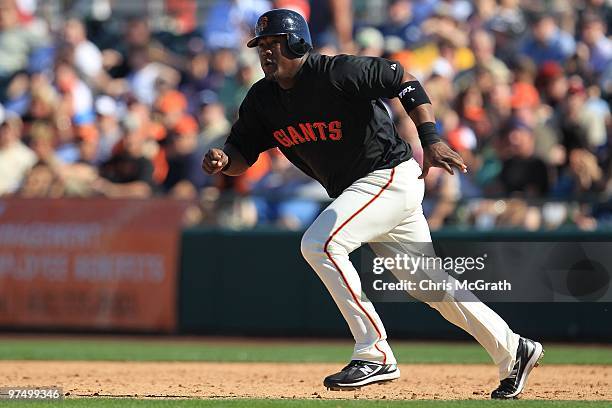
{"x": 405, "y": 91}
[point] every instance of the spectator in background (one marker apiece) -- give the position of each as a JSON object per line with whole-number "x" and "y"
{"x": 87, "y": 57}
{"x": 277, "y": 196}
{"x": 547, "y": 42}
{"x": 197, "y": 81}
{"x": 600, "y": 109}
{"x": 214, "y": 124}
{"x": 460, "y": 10}
{"x": 525, "y": 72}
{"x": 572, "y": 117}
{"x": 499, "y": 106}
{"x": 228, "y": 22}
{"x": 441, "y": 93}
{"x": 145, "y": 75}
{"x": 464, "y": 141}
{"x": 331, "y": 23}
{"x": 507, "y": 24}
{"x": 583, "y": 124}
{"x": 522, "y": 172}
{"x": 109, "y": 129}
{"x": 527, "y": 109}
{"x": 552, "y": 84}
{"x": 423, "y": 9}
{"x": 78, "y": 177}
{"x": 482, "y": 45}
{"x": 445, "y": 25}
{"x": 128, "y": 173}
{"x": 239, "y": 77}
{"x": 42, "y": 140}
{"x": 443, "y": 191}
{"x": 599, "y": 46}
{"x": 88, "y": 142}
{"x": 401, "y": 23}
{"x": 43, "y": 100}
{"x": 171, "y": 105}
{"x": 16, "y": 159}
{"x": 582, "y": 176}
{"x": 136, "y": 35}
{"x": 41, "y": 181}
{"x": 153, "y": 134}
{"x": 299, "y": 6}
{"x": 446, "y": 63}
{"x": 75, "y": 177}
{"x": 76, "y": 98}
{"x": 224, "y": 67}
{"x": 474, "y": 114}
{"x": 17, "y": 94}
{"x": 517, "y": 213}
{"x": 599, "y": 8}
{"x": 484, "y": 11}
{"x": 370, "y": 42}
{"x": 17, "y": 43}
{"x": 508, "y": 14}
{"x": 184, "y": 155}
{"x": 183, "y": 13}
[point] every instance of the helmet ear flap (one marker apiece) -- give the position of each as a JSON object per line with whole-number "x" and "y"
{"x": 297, "y": 45}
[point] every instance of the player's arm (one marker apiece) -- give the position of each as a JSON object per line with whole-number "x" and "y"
{"x": 372, "y": 78}
{"x": 227, "y": 160}
{"x": 247, "y": 139}
{"x": 436, "y": 153}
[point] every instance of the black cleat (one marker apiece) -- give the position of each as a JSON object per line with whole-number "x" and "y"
{"x": 528, "y": 356}
{"x": 359, "y": 373}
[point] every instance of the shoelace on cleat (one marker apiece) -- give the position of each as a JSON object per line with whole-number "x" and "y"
{"x": 354, "y": 364}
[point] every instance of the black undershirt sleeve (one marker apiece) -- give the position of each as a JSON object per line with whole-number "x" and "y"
{"x": 248, "y": 135}
{"x": 366, "y": 77}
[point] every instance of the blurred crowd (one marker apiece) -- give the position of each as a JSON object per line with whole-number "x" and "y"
{"x": 94, "y": 102}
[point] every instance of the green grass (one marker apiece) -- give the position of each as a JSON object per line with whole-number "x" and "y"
{"x": 292, "y": 351}
{"x": 246, "y": 403}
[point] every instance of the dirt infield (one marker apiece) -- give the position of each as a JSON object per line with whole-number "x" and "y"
{"x": 265, "y": 380}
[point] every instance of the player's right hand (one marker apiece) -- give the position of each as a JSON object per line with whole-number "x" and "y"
{"x": 214, "y": 161}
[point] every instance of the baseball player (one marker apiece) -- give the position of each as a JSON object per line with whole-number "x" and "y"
{"x": 326, "y": 116}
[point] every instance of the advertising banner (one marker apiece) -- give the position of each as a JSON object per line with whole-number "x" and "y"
{"x": 89, "y": 263}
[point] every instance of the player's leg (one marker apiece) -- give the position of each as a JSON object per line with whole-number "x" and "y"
{"x": 462, "y": 308}
{"x": 371, "y": 206}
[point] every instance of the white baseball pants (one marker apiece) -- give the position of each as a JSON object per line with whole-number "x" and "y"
{"x": 381, "y": 208}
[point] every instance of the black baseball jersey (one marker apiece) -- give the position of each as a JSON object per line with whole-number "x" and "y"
{"x": 332, "y": 124}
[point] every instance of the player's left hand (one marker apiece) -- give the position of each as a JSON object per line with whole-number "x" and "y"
{"x": 440, "y": 155}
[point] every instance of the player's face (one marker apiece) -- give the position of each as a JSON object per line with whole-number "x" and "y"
{"x": 276, "y": 60}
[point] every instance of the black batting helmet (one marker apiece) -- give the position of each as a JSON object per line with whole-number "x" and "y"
{"x": 284, "y": 21}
